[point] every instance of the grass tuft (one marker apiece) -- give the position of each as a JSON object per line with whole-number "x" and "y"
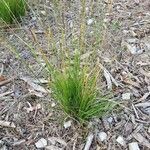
{"x": 74, "y": 78}
{"x": 12, "y": 10}
{"x": 75, "y": 88}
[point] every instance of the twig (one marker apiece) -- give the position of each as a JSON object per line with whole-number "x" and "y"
{"x": 2, "y": 69}
{"x": 6, "y": 93}
{"x": 135, "y": 111}
{"x": 6, "y": 81}
{"x": 89, "y": 141}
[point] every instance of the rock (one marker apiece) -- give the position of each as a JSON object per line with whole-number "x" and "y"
{"x": 53, "y": 104}
{"x": 43, "y": 12}
{"x": 133, "y": 146}
{"x": 126, "y": 96}
{"x": 90, "y": 21}
{"x": 121, "y": 141}
{"x": 42, "y": 143}
{"x": 110, "y": 119}
{"x": 67, "y": 124}
{"x": 102, "y": 136}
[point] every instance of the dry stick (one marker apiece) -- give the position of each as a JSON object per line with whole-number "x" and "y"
{"x": 6, "y": 81}
{"x": 2, "y": 69}
{"x": 6, "y": 93}
{"x": 89, "y": 141}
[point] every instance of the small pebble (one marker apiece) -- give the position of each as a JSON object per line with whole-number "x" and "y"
{"x": 102, "y": 136}
{"x": 126, "y": 96}
{"x": 43, "y": 12}
{"x": 67, "y": 124}
{"x": 42, "y": 143}
{"x": 53, "y": 104}
{"x": 110, "y": 119}
{"x": 133, "y": 146}
{"x": 90, "y": 21}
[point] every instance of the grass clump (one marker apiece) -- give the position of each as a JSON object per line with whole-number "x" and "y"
{"x": 12, "y": 10}
{"x": 75, "y": 88}
{"x": 74, "y": 80}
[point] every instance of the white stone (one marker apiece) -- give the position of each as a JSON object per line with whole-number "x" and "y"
{"x": 126, "y": 96}
{"x": 110, "y": 119}
{"x": 42, "y": 143}
{"x": 121, "y": 140}
{"x": 90, "y": 21}
{"x": 102, "y": 136}
{"x": 133, "y": 146}
{"x": 43, "y": 12}
{"x": 67, "y": 124}
{"x": 53, "y": 104}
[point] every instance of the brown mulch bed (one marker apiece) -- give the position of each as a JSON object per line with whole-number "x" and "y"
{"x": 28, "y": 114}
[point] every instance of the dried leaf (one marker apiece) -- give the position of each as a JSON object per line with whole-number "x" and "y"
{"x": 108, "y": 79}
{"x": 33, "y": 85}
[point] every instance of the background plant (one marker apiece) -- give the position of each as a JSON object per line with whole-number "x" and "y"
{"x": 12, "y": 10}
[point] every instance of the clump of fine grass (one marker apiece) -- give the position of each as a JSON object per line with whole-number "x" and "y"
{"x": 75, "y": 88}
{"x": 12, "y": 10}
{"x": 74, "y": 82}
